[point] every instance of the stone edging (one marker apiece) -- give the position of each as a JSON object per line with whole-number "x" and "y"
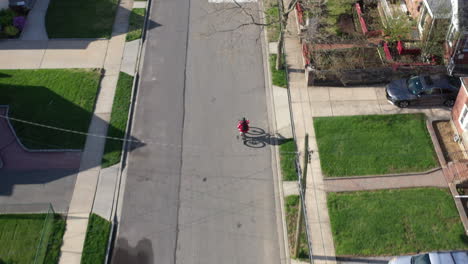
{"x": 23, "y": 146}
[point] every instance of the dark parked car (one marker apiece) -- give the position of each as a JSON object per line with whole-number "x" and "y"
{"x": 423, "y": 90}
{"x": 453, "y": 257}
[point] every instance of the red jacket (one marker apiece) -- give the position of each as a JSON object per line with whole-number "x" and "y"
{"x": 243, "y": 126}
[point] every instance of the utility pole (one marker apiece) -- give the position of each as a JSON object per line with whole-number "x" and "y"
{"x": 303, "y": 183}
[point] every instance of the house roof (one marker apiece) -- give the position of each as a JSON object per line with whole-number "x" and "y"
{"x": 439, "y": 8}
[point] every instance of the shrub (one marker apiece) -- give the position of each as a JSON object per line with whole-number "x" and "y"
{"x": 6, "y": 17}
{"x": 19, "y": 22}
{"x": 11, "y": 31}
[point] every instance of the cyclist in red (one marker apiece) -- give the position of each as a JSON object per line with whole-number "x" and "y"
{"x": 243, "y": 126}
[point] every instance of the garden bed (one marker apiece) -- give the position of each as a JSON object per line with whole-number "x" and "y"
{"x": 346, "y": 59}
{"x": 374, "y": 145}
{"x": 395, "y": 222}
{"x": 12, "y": 23}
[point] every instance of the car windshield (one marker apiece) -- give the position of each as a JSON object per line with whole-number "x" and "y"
{"x": 421, "y": 259}
{"x": 414, "y": 85}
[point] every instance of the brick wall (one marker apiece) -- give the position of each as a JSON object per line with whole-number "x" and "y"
{"x": 462, "y": 99}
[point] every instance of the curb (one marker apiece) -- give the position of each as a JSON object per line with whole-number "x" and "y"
{"x": 278, "y": 183}
{"x": 120, "y": 188}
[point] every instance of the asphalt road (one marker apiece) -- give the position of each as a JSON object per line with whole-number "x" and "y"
{"x": 195, "y": 193}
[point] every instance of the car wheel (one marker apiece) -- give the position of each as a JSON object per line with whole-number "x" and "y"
{"x": 449, "y": 102}
{"x": 403, "y": 104}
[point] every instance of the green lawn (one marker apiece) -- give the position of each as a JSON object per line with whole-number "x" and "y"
{"x": 273, "y": 28}
{"x": 61, "y": 98}
{"x": 20, "y": 236}
{"x": 291, "y": 206}
{"x": 135, "y": 27}
{"x": 118, "y": 122}
{"x": 287, "y": 160}
{"x": 374, "y": 144}
{"x": 278, "y": 76}
{"x": 80, "y": 19}
{"x": 97, "y": 237}
{"x": 395, "y": 222}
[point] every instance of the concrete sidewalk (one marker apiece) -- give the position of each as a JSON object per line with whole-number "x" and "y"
{"x": 433, "y": 178}
{"x": 55, "y": 53}
{"x": 86, "y": 186}
{"x": 320, "y": 233}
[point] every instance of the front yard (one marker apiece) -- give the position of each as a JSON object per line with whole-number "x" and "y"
{"x": 374, "y": 144}
{"x": 80, "y": 19}
{"x": 21, "y": 235}
{"x": 395, "y": 222}
{"x": 62, "y": 98}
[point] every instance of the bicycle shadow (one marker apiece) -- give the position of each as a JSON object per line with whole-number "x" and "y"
{"x": 258, "y": 138}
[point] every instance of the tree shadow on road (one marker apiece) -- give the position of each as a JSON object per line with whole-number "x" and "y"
{"x": 142, "y": 253}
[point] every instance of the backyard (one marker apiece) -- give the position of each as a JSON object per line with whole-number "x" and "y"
{"x": 20, "y": 236}
{"x": 395, "y": 222}
{"x": 374, "y": 145}
{"x": 62, "y": 98}
{"x": 80, "y": 19}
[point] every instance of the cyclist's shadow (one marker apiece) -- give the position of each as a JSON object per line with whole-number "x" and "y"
{"x": 258, "y": 138}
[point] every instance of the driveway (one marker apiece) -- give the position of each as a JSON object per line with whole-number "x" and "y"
{"x": 364, "y": 100}
{"x": 31, "y": 177}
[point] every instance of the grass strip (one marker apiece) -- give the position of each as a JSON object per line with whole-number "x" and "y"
{"x": 374, "y": 144}
{"x": 118, "y": 121}
{"x": 291, "y": 207}
{"x": 395, "y": 222}
{"x": 62, "y": 98}
{"x": 278, "y": 76}
{"x": 287, "y": 160}
{"x": 135, "y": 27}
{"x": 272, "y": 19}
{"x": 97, "y": 237}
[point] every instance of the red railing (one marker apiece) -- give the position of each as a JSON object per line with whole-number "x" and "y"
{"x": 404, "y": 51}
{"x": 386, "y": 49}
{"x": 362, "y": 22}
{"x": 300, "y": 13}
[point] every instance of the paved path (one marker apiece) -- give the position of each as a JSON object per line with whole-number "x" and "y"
{"x": 198, "y": 194}
{"x": 432, "y": 179}
{"x": 364, "y": 100}
{"x": 56, "y": 53}
{"x": 35, "y": 28}
{"x": 316, "y": 201}
{"x": 87, "y": 179}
